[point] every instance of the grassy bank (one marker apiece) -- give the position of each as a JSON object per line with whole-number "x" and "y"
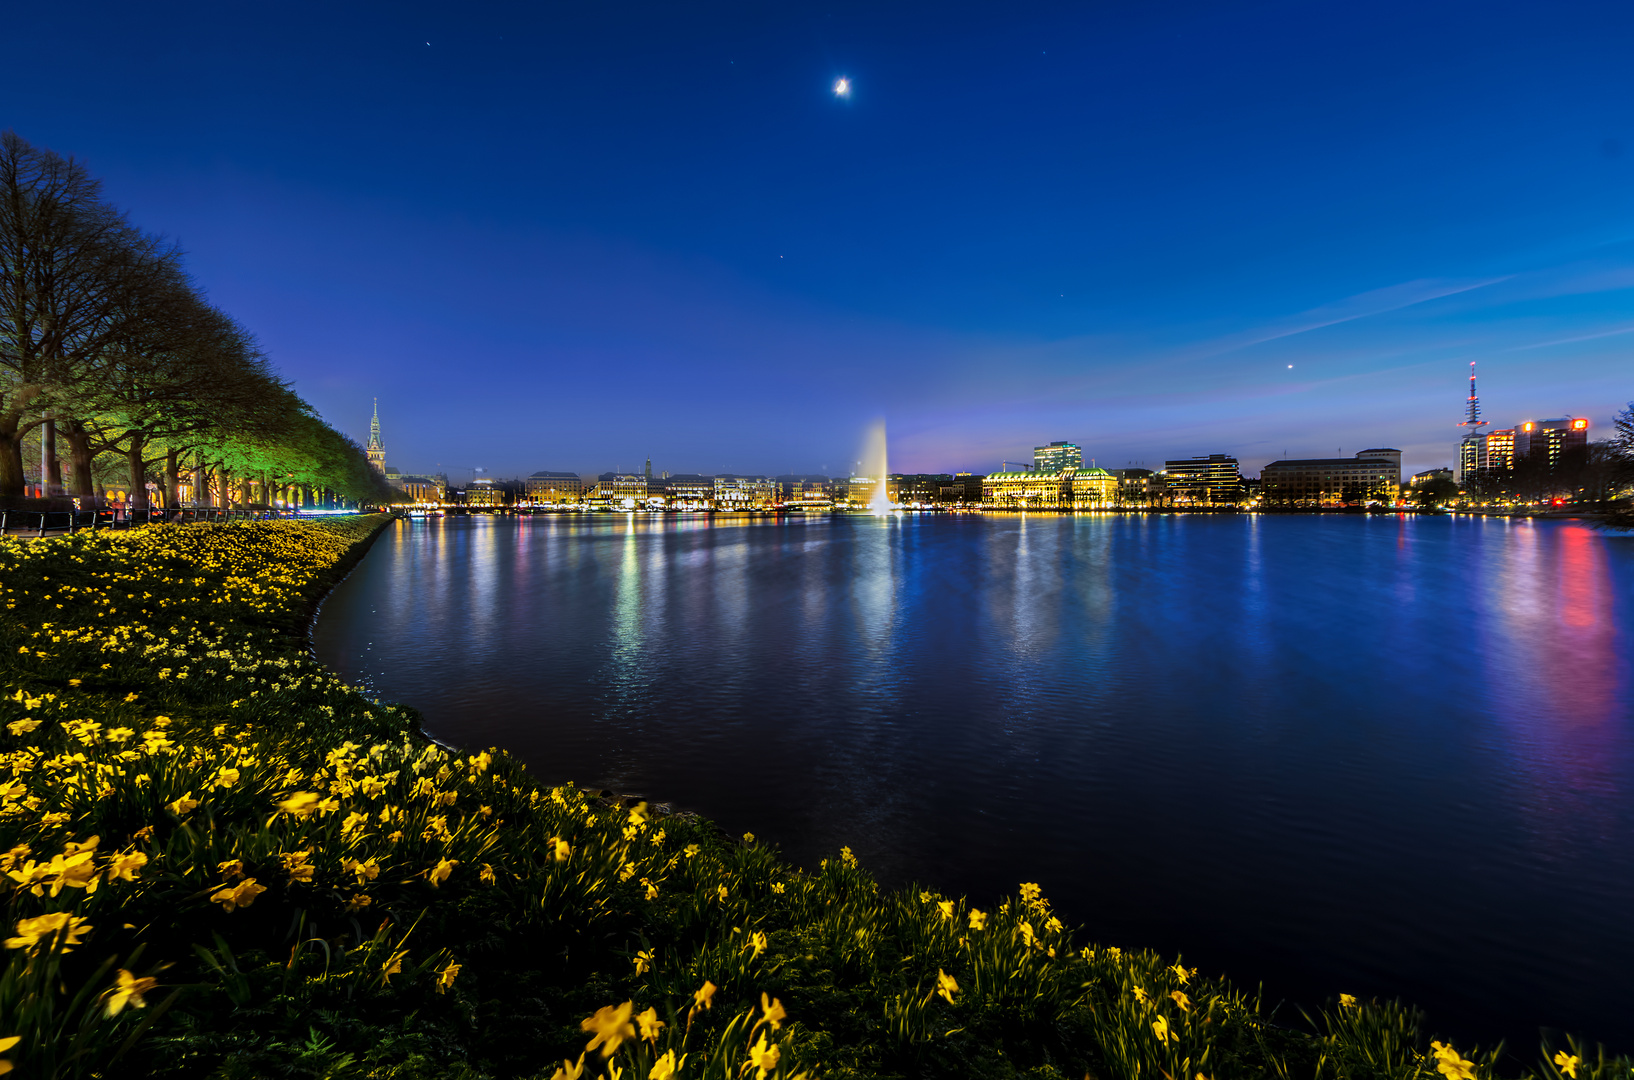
{"x": 220, "y": 861}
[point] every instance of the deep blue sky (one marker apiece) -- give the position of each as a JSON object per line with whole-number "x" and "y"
{"x": 569, "y": 236}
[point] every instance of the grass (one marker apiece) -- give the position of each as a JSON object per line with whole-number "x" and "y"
{"x": 220, "y": 861}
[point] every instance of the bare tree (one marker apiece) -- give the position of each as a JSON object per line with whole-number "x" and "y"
{"x": 71, "y": 268}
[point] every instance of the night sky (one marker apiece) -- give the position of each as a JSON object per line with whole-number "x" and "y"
{"x": 572, "y": 236}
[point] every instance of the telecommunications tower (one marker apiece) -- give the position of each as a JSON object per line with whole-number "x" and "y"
{"x": 1472, "y": 450}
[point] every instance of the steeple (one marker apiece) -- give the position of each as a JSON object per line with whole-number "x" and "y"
{"x": 376, "y": 450}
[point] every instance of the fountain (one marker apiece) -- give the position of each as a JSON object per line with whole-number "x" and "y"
{"x": 873, "y": 460}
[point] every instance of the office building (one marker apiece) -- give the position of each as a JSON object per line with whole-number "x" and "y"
{"x": 1370, "y": 475}
{"x": 1056, "y": 457}
{"x": 1213, "y": 480}
{"x": 744, "y": 493}
{"x": 1548, "y": 440}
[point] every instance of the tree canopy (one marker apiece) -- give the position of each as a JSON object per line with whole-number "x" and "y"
{"x": 105, "y": 339}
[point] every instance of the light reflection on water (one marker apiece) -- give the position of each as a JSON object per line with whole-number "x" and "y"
{"x": 1376, "y": 755}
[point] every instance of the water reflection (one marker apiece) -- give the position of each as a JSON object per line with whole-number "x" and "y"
{"x": 1379, "y": 755}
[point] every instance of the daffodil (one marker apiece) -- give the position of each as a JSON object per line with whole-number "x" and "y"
{"x": 650, "y": 1024}
{"x": 184, "y": 805}
{"x": 1450, "y": 1064}
{"x": 1347, "y": 1001}
{"x": 609, "y": 1027}
{"x": 1160, "y": 1028}
{"x": 702, "y": 998}
{"x": 946, "y": 986}
{"x": 643, "y": 961}
{"x": 569, "y": 1070}
{"x": 440, "y": 873}
{"x": 301, "y": 804}
{"x": 233, "y": 897}
{"x": 32, "y": 932}
{"x": 946, "y": 908}
{"x": 446, "y": 977}
{"x": 763, "y": 1058}
{"x": 560, "y": 848}
{"x": 128, "y": 991}
{"x": 1140, "y": 994}
{"x": 978, "y": 919}
{"x": 1181, "y": 1000}
{"x": 667, "y": 1067}
{"x": 1567, "y": 1063}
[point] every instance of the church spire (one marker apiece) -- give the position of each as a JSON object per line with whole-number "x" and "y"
{"x": 376, "y": 450}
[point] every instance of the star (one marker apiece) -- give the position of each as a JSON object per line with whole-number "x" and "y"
{"x": 842, "y": 88}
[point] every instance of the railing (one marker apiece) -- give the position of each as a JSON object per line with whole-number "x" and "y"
{"x": 41, "y": 522}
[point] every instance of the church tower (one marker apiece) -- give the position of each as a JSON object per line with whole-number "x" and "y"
{"x": 376, "y": 450}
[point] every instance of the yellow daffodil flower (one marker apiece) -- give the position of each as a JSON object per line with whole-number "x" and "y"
{"x": 1347, "y": 1001}
{"x": 946, "y": 986}
{"x": 946, "y": 908}
{"x": 184, "y": 805}
{"x": 128, "y": 991}
{"x": 1160, "y": 1028}
{"x": 643, "y": 961}
{"x": 1567, "y": 1063}
{"x": 609, "y": 1027}
{"x": 1450, "y": 1064}
{"x": 667, "y": 1067}
{"x": 1181, "y": 1000}
{"x": 978, "y": 919}
{"x": 446, "y": 977}
{"x": 774, "y": 1014}
{"x": 233, "y": 897}
{"x": 650, "y": 1024}
{"x": 32, "y": 932}
{"x": 763, "y": 1058}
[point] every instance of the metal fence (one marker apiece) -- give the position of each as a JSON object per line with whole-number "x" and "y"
{"x": 41, "y": 522}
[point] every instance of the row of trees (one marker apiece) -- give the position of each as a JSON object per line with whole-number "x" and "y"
{"x": 108, "y": 348}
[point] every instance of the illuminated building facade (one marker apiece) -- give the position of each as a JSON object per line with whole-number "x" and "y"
{"x": 1499, "y": 451}
{"x": 484, "y": 491}
{"x": 1550, "y": 439}
{"x": 1022, "y": 489}
{"x": 744, "y": 493}
{"x": 554, "y": 487}
{"x": 1089, "y": 489}
{"x": 690, "y": 492}
{"x": 1057, "y": 457}
{"x": 1374, "y": 474}
{"x": 1213, "y": 480}
{"x": 619, "y": 492}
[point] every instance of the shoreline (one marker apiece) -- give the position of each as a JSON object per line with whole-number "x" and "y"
{"x": 494, "y": 893}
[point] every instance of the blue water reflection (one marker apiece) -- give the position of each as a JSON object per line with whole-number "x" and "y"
{"x": 1378, "y": 755}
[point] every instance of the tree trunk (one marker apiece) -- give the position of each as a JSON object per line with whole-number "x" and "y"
{"x": 138, "y": 472}
{"x": 80, "y": 461}
{"x": 225, "y": 487}
{"x": 48, "y": 451}
{"x": 244, "y": 492}
{"x": 173, "y": 479}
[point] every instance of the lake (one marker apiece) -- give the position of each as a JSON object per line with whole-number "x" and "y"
{"x": 1379, "y": 755}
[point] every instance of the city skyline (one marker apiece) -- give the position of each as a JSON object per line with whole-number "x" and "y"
{"x": 560, "y": 238}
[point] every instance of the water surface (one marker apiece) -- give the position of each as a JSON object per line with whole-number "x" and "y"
{"x": 1374, "y": 755}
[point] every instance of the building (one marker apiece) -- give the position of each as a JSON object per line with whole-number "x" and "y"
{"x": 1430, "y": 475}
{"x": 1057, "y": 457}
{"x": 745, "y": 493}
{"x": 1370, "y": 475}
{"x": 1135, "y": 486}
{"x": 1548, "y": 440}
{"x": 1213, "y": 480}
{"x": 485, "y": 491}
{"x": 618, "y": 491}
{"x": 1498, "y": 452}
{"x": 1022, "y": 489}
{"x": 1088, "y": 489}
{"x": 424, "y": 489}
{"x": 690, "y": 492}
{"x": 554, "y": 487}
{"x": 376, "y": 450}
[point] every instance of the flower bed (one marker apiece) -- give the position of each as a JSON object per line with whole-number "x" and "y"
{"x": 221, "y": 861}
